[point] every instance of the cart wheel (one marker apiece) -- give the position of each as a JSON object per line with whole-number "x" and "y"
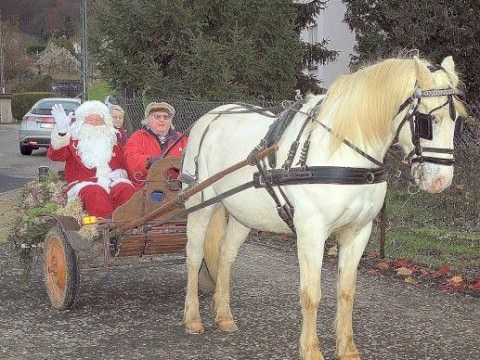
{"x": 60, "y": 268}
{"x": 206, "y": 284}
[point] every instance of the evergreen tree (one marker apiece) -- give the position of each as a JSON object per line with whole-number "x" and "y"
{"x": 205, "y": 49}
{"x": 433, "y": 28}
{"x": 312, "y": 53}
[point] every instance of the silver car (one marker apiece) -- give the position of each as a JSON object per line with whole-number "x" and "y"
{"x": 37, "y": 124}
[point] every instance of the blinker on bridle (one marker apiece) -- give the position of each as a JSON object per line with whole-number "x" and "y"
{"x": 421, "y": 126}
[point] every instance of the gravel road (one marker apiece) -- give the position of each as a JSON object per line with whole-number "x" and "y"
{"x": 135, "y": 312}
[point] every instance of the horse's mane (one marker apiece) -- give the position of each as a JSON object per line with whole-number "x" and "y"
{"x": 362, "y": 105}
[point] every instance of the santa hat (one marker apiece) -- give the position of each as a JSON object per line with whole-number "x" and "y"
{"x": 89, "y": 108}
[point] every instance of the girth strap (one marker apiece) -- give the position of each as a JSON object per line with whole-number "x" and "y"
{"x": 284, "y": 211}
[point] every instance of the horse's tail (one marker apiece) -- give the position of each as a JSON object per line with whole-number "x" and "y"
{"x": 213, "y": 239}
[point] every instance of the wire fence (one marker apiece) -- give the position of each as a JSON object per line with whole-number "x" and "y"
{"x": 434, "y": 229}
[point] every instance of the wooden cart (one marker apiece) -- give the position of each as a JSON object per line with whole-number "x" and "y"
{"x": 66, "y": 252}
{"x": 151, "y": 223}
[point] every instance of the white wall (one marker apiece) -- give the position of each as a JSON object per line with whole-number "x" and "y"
{"x": 330, "y": 26}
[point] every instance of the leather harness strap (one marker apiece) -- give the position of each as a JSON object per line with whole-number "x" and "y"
{"x": 320, "y": 175}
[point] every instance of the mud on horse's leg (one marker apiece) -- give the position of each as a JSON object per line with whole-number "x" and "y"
{"x": 310, "y": 255}
{"x": 235, "y": 235}
{"x": 191, "y": 315}
{"x": 351, "y": 247}
{"x": 309, "y": 346}
{"x": 196, "y": 233}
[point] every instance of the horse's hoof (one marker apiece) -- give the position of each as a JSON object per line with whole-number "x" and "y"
{"x": 194, "y": 328}
{"x": 227, "y": 325}
{"x": 349, "y": 357}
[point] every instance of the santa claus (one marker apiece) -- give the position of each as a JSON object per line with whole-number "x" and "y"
{"x": 94, "y": 164}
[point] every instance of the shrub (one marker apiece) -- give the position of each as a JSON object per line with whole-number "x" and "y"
{"x": 22, "y": 102}
{"x": 38, "y": 198}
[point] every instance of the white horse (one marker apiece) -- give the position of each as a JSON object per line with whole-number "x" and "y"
{"x": 407, "y": 101}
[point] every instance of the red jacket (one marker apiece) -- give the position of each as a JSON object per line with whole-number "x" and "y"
{"x": 142, "y": 145}
{"x": 75, "y": 171}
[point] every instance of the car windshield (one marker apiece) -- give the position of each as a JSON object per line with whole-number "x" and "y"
{"x": 45, "y": 107}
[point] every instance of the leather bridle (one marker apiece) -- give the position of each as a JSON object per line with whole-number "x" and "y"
{"x": 421, "y": 126}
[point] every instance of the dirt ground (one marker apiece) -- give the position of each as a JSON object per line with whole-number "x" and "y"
{"x": 8, "y": 214}
{"x": 135, "y": 312}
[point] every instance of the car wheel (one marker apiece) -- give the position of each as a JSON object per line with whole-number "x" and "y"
{"x": 25, "y": 150}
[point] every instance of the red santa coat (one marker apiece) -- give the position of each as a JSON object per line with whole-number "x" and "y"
{"x": 142, "y": 145}
{"x": 98, "y": 200}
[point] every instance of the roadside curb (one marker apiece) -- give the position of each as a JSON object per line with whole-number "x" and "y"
{"x": 8, "y": 192}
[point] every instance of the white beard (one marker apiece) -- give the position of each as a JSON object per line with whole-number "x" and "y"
{"x": 95, "y": 145}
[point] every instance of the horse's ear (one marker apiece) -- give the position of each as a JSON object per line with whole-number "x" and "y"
{"x": 448, "y": 65}
{"x": 424, "y": 76}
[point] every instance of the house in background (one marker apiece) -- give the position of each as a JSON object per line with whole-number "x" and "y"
{"x": 329, "y": 25}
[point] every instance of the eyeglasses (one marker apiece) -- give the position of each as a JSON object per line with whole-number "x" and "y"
{"x": 161, "y": 116}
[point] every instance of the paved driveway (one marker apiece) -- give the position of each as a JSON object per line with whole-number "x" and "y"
{"x": 136, "y": 313}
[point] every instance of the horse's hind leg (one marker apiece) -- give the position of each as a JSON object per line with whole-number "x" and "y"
{"x": 235, "y": 235}
{"x": 196, "y": 229}
{"x": 351, "y": 247}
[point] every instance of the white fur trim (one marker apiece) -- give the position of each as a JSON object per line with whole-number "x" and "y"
{"x": 103, "y": 171}
{"x": 104, "y": 182}
{"x": 118, "y": 181}
{"x": 73, "y": 192}
{"x": 58, "y": 141}
{"x": 89, "y": 108}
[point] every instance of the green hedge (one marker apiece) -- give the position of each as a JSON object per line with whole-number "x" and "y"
{"x": 22, "y": 102}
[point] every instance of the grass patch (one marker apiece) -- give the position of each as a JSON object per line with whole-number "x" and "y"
{"x": 433, "y": 247}
{"x": 99, "y": 91}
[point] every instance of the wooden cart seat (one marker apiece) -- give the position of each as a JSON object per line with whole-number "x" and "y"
{"x": 164, "y": 239}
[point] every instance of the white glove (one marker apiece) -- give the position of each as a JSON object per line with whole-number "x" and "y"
{"x": 118, "y": 174}
{"x": 61, "y": 119}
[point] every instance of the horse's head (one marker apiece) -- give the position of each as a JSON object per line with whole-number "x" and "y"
{"x": 426, "y": 124}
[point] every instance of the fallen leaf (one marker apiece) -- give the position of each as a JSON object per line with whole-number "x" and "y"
{"x": 456, "y": 279}
{"x": 456, "y": 287}
{"x": 401, "y": 263}
{"x": 442, "y": 271}
{"x": 475, "y": 286}
{"x": 404, "y": 271}
{"x": 423, "y": 271}
{"x": 382, "y": 265}
{"x": 410, "y": 280}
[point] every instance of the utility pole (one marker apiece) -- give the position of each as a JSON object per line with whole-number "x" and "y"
{"x": 2, "y": 58}
{"x": 83, "y": 23}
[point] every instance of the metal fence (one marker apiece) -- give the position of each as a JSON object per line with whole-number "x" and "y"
{"x": 450, "y": 219}
{"x": 187, "y": 111}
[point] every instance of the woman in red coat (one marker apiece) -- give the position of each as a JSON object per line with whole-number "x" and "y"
{"x": 157, "y": 139}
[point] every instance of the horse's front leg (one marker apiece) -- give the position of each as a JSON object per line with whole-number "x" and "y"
{"x": 351, "y": 247}
{"x": 310, "y": 243}
{"x": 196, "y": 230}
{"x": 234, "y": 237}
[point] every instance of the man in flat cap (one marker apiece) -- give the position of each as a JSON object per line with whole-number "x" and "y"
{"x": 157, "y": 139}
